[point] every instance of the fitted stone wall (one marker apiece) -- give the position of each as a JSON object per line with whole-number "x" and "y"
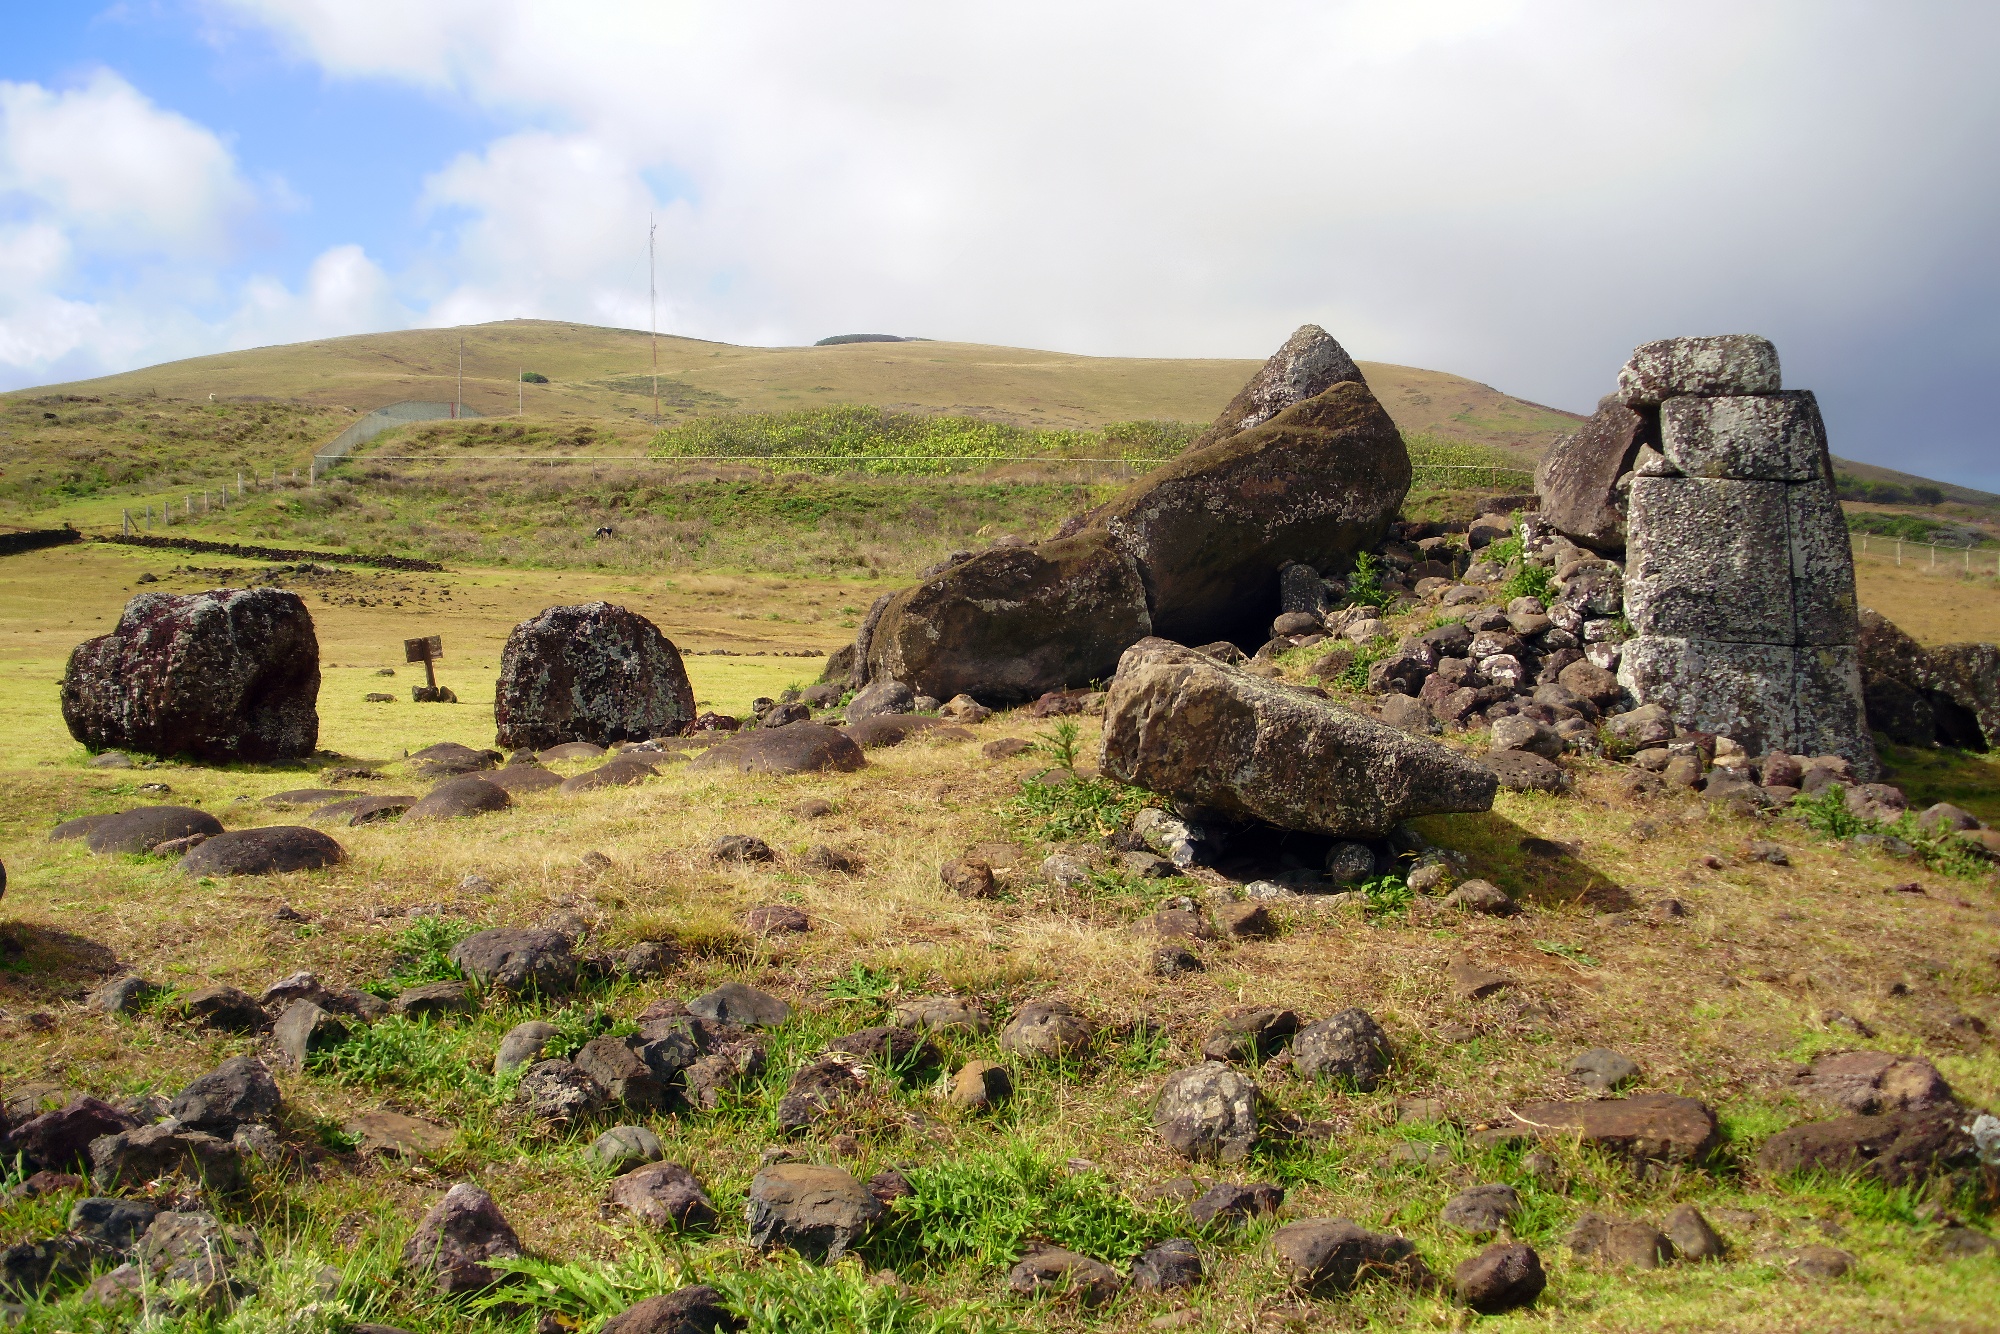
{"x": 1739, "y": 580}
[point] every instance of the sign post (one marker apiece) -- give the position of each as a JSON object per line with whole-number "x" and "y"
{"x": 426, "y": 650}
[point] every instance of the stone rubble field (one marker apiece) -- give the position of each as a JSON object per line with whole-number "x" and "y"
{"x": 1320, "y": 924}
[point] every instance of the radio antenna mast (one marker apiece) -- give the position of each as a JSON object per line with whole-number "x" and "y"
{"x": 653, "y": 313}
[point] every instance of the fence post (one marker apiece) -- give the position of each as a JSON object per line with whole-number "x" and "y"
{"x": 125, "y": 523}
{"x": 1899, "y": 551}
{"x": 1933, "y": 547}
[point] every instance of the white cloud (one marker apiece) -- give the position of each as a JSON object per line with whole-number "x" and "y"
{"x": 345, "y": 292}
{"x": 1517, "y": 190}
{"x": 107, "y": 163}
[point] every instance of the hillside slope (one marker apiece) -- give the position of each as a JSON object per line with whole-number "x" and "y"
{"x": 607, "y": 373}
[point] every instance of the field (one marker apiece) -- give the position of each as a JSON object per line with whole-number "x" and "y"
{"x": 1718, "y": 1005}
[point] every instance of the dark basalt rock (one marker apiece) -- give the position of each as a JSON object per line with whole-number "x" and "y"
{"x": 145, "y": 828}
{"x": 518, "y": 960}
{"x": 61, "y": 1138}
{"x": 241, "y": 1089}
{"x": 272, "y": 850}
{"x": 797, "y": 749}
{"x": 1219, "y": 739}
{"x": 1013, "y": 623}
{"x": 596, "y": 673}
{"x": 1316, "y": 484}
{"x": 1895, "y": 1148}
{"x": 458, "y": 798}
{"x": 226, "y": 676}
{"x": 456, "y": 1238}
{"x": 1577, "y": 479}
{"x": 820, "y": 1212}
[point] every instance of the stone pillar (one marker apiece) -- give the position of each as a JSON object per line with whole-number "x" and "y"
{"x": 1739, "y": 580}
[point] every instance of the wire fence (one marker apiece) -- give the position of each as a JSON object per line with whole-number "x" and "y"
{"x": 1906, "y": 552}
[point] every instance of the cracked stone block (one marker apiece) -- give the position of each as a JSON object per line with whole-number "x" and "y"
{"x": 1752, "y": 437}
{"x": 1706, "y": 559}
{"x": 1737, "y": 690}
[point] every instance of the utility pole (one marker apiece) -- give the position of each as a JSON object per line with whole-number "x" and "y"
{"x": 522, "y": 377}
{"x": 458, "y": 410}
{"x": 653, "y": 313}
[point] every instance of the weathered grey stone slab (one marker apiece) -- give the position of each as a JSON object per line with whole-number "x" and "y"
{"x": 1711, "y": 367}
{"x": 1708, "y": 559}
{"x": 1829, "y": 717}
{"x": 1753, "y": 437}
{"x": 1823, "y": 602}
{"x": 1738, "y": 690}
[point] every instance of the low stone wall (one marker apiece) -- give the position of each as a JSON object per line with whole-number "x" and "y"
{"x": 12, "y": 544}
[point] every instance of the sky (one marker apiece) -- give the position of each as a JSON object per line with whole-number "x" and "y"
{"x": 1519, "y": 191}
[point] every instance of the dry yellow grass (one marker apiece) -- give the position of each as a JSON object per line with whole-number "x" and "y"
{"x": 1938, "y": 604}
{"x": 1719, "y": 1006}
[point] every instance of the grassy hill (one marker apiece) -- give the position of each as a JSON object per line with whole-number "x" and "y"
{"x": 595, "y": 372}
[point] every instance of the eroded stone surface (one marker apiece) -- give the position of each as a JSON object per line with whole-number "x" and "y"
{"x": 227, "y": 676}
{"x": 596, "y": 673}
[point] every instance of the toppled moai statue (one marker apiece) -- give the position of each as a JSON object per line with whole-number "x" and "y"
{"x": 1304, "y": 465}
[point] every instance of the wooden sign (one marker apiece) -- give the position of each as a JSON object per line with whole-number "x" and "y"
{"x": 428, "y": 649}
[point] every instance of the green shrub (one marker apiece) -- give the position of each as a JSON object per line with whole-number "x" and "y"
{"x": 1364, "y": 584}
{"x": 533, "y": 377}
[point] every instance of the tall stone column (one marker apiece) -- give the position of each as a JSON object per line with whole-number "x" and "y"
{"x": 1739, "y": 579}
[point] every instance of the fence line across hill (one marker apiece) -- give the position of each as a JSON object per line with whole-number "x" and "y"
{"x": 1964, "y": 553}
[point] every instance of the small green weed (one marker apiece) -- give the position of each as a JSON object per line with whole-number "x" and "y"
{"x": 578, "y": 1024}
{"x": 1387, "y": 895}
{"x": 1573, "y": 953}
{"x": 986, "y": 1206}
{"x": 1073, "y": 807}
{"x": 1364, "y": 583}
{"x": 1826, "y": 812}
{"x": 423, "y": 954}
{"x": 1059, "y": 744}
{"x": 585, "y": 1290}
{"x": 1354, "y": 676}
{"x": 398, "y": 1052}
{"x": 862, "y": 983}
{"x": 1530, "y": 581}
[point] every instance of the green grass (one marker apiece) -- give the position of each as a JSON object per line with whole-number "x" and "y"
{"x": 423, "y": 955}
{"x": 1070, "y": 807}
{"x": 1826, "y": 812}
{"x": 848, "y": 437}
{"x": 987, "y": 1206}
{"x": 792, "y": 1297}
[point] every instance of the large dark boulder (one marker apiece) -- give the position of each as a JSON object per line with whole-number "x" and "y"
{"x": 1013, "y": 623}
{"x": 1217, "y": 738}
{"x": 1578, "y": 478}
{"x": 594, "y": 673}
{"x": 230, "y": 675}
{"x": 1316, "y": 484}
